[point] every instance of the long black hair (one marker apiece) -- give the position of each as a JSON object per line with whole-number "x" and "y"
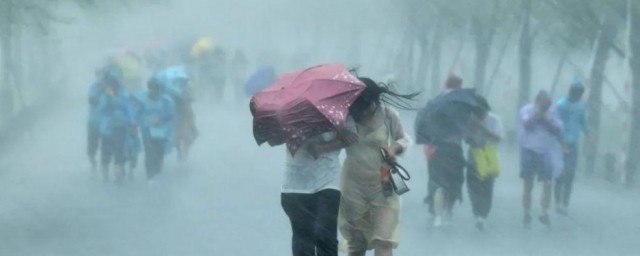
{"x": 377, "y": 93}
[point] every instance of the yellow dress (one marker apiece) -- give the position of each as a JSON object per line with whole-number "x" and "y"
{"x": 366, "y": 215}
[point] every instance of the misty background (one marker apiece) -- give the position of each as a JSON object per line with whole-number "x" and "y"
{"x": 226, "y": 200}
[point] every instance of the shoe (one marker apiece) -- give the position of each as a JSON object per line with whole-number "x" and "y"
{"x": 544, "y": 219}
{"x": 527, "y": 221}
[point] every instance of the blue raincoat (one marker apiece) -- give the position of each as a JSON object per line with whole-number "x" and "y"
{"x": 115, "y": 112}
{"x": 162, "y": 109}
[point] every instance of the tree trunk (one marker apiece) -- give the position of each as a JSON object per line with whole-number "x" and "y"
{"x": 556, "y": 77}
{"x": 633, "y": 154}
{"x": 436, "y": 48}
{"x": 525, "y": 49}
{"x": 496, "y": 69}
{"x": 17, "y": 68}
{"x": 422, "y": 73}
{"x": 6, "y": 90}
{"x": 594, "y": 102}
{"x": 483, "y": 38}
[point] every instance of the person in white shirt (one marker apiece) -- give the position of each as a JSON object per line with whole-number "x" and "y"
{"x": 311, "y": 196}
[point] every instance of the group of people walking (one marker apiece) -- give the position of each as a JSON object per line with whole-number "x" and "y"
{"x": 122, "y": 123}
{"x": 322, "y": 196}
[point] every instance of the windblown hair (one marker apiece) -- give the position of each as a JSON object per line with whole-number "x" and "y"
{"x": 377, "y": 93}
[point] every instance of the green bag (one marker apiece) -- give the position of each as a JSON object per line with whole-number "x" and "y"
{"x": 486, "y": 161}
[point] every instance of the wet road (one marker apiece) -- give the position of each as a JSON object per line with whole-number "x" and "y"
{"x": 226, "y": 202}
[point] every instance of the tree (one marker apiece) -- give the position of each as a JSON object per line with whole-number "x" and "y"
{"x": 631, "y": 165}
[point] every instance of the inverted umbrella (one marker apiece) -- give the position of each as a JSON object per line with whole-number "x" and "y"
{"x": 303, "y": 104}
{"x": 446, "y": 116}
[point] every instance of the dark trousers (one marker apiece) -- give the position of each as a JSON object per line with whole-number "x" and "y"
{"x": 154, "y": 156}
{"x": 112, "y": 148}
{"x": 564, "y": 183}
{"x": 480, "y": 193}
{"x": 446, "y": 172}
{"x": 314, "y": 222}
{"x": 93, "y": 141}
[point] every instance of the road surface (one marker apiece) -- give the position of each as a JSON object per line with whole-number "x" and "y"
{"x": 226, "y": 202}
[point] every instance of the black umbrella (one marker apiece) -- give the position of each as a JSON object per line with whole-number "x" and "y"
{"x": 447, "y": 116}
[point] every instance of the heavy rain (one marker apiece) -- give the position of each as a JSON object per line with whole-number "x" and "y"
{"x": 294, "y": 127}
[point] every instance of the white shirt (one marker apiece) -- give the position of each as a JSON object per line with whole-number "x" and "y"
{"x": 307, "y": 175}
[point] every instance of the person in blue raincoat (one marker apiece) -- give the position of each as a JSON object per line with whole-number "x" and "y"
{"x": 176, "y": 85}
{"x": 93, "y": 124}
{"x": 116, "y": 120}
{"x": 573, "y": 113}
{"x": 157, "y": 114}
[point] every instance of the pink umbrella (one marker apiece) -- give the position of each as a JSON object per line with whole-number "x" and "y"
{"x": 303, "y": 104}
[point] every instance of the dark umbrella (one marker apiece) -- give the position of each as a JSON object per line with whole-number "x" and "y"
{"x": 447, "y": 116}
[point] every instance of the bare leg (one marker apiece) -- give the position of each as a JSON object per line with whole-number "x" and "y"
{"x": 526, "y": 196}
{"x": 526, "y": 202}
{"x": 383, "y": 248}
{"x": 440, "y": 205}
{"x": 546, "y": 197}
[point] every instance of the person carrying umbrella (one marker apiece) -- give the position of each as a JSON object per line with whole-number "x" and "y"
{"x": 307, "y": 110}
{"x": 483, "y": 165}
{"x": 442, "y": 125}
{"x": 369, "y": 217}
{"x": 540, "y": 152}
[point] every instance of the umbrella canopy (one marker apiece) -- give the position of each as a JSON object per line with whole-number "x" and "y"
{"x": 447, "y": 116}
{"x": 169, "y": 77}
{"x": 262, "y": 78}
{"x": 202, "y": 45}
{"x": 303, "y": 104}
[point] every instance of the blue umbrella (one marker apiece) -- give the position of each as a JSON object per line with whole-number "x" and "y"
{"x": 261, "y": 79}
{"x": 169, "y": 78}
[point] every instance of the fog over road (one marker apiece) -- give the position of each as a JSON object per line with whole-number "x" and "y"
{"x": 226, "y": 201}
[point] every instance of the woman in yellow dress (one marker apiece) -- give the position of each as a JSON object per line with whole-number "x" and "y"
{"x": 369, "y": 216}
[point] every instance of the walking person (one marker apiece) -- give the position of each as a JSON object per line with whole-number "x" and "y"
{"x": 115, "y": 122}
{"x": 157, "y": 113}
{"x": 540, "y": 152}
{"x": 369, "y": 217}
{"x": 572, "y": 111}
{"x": 483, "y": 165}
{"x": 446, "y": 163}
{"x": 93, "y": 125}
{"x": 311, "y": 194}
